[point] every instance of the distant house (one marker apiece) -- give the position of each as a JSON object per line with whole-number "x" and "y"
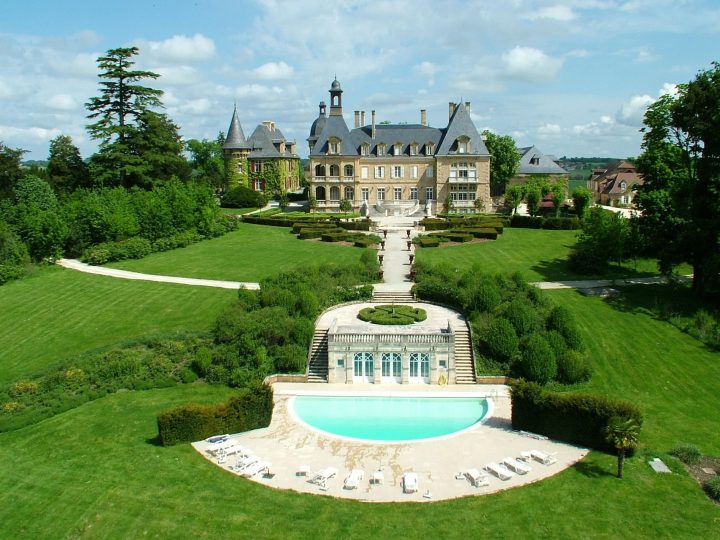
{"x": 535, "y": 164}
{"x": 265, "y": 161}
{"x": 616, "y": 185}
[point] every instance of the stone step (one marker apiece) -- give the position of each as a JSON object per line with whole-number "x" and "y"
{"x": 318, "y": 357}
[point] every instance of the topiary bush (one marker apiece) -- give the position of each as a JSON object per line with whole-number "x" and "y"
{"x": 537, "y": 361}
{"x": 523, "y": 316}
{"x": 426, "y": 241}
{"x": 572, "y": 367}
{"x": 501, "y": 341}
{"x": 561, "y": 320}
{"x": 687, "y": 453}
{"x": 392, "y": 315}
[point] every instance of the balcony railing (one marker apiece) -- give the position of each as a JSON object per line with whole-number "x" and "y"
{"x": 334, "y": 179}
{"x": 463, "y": 180}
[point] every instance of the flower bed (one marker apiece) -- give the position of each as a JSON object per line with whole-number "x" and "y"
{"x": 391, "y": 314}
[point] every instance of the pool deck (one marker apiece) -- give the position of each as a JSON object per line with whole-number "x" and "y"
{"x": 290, "y": 446}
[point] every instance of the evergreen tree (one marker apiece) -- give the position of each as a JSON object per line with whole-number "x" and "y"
{"x": 66, "y": 169}
{"x": 10, "y": 169}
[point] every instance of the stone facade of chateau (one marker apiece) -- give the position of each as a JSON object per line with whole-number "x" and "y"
{"x": 265, "y": 161}
{"x": 397, "y": 169}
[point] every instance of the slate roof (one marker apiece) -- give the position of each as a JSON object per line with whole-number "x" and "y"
{"x": 262, "y": 142}
{"x": 545, "y": 165}
{"x": 461, "y": 124}
{"x": 610, "y": 179}
{"x": 318, "y": 124}
{"x": 235, "y": 137}
{"x": 443, "y": 140}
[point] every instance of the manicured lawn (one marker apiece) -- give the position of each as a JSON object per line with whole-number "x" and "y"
{"x": 95, "y": 472}
{"x": 59, "y": 313}
{"x": 237, "y": 211}
{"x": 248, "y": 254}
{"x": 538, "y": 254}
{"x": 672, "y": 376}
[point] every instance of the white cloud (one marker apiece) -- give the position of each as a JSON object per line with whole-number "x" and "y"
{"x": 62, "y": 102}
{"x": 631, "y": 113}
{"x": 549, "y": 129}
{"x": 179, "y": 49}
{"x": 558, "y": 12}
{"x": 274, "y": 71}
{"x": 34, "y": 133}
{"x": 176, "y": 75}
{"x": 529, "y": 64}
{"x": 668, "y": 88}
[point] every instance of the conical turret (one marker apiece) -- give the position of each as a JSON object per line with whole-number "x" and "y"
{"x": 235, "y": 139}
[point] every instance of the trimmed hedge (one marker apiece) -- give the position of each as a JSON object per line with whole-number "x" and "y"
{"x": 452, "y": 236}
{"x": 392, "y": 315}
{"x": 363, "y": 225}
{"x": 426, "y": 241}
{"x": 552, "y": 223}
{"x": 485, "y": 232}
{"x": 310, "y": 232}
{"x": 334, "y": 236}
{"x": 577, "y": 418}
{"x": 250, "y": 409}
{"x": 364, "y": 242}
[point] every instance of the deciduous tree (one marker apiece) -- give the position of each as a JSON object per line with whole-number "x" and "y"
{"x": 504, "y": 160}
{"x": 66, "y": 169}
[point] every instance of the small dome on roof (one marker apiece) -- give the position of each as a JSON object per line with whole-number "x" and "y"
{"x": 335, "y": 85}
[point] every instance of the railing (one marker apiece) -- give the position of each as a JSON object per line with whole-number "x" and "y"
{"x": 463, "y": 180}
{"x": 389, "y": 338}
{"x": 333, "y": 179}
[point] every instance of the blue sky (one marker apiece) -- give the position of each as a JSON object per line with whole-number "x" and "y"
{"x": 573, "y": 78}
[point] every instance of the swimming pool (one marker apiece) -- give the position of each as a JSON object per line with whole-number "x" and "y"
{"x": 389, "y": 419}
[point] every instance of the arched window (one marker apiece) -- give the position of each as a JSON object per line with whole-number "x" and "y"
{"x": 334, "y": 170}
{"x": 348, "y": 170}
{"x": 319, "y": 170}
{"x": 334, "y": 193}
{"x": 349, "y": 193}
{"x": 320, "y": 193}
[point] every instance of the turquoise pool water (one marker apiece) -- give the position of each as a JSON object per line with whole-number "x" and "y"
{"x": 389, "y": 418}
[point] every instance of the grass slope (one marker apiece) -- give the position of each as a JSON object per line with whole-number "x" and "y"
{"x": 671, "y": 375}
{"x": 538, "y": 254}
{"x": 104, "y": 478}
{"x": 248, "y": 254}
{"x": 59, "y": 313}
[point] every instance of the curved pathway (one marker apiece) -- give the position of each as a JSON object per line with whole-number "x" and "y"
{"x": 74, "y": 264}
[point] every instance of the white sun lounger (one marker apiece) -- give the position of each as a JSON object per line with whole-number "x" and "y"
{"x": 243, "y": 462}
{"x": 322, "y": 476}
{"x": 516, "y": 466}
{"x": 255, "y": 468}
{"x": 352, "y": 481}
{"x": 410, "y": 482}
{"x": 502, "y": 472}
{"x": 476, "y": 478}
{"x": 542, "y": 457}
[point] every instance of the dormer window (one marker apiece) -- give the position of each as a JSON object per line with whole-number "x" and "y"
{"x": 429, "y": 149}
{"x": 334, "y": 146}
{"x": 462, "y": 145}
{"x": 381, "y": 149}
{"x": 414, "y": 149}
{"x": 623, "y": 185}
{"x": 397, "y": 149}
{"x": 364, "y": 149}
{"x": 535, "y": 160}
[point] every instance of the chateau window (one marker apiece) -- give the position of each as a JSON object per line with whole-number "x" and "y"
{"x": 364, "y": 150}
{"x": 349, "y": 193}
{"x": 379, "y": 171}
{"x": 381, "y": 194}
{"x": 381, "y": 149}
{"x": 413, "y": 149}
{"x": 413, "y": 194}
{"x": 623, "y": 186}
{"x": 334, "y": 148}
{"x": 429, "y": 194}
{"x": 365, "y": 193}
{"x": 319, "y": 170}
{"x": 364, "y": 173}
{"x": 334, "y": 170}
{"x": 534, "y": 160}
{"x": 240, "y": 166}
{"x": 348, "y": 170}
{"x": 429, "y": 171}
{"x": 398, "y": 194}
{"x": 414, "y": 171}
{"x": 397, "y": 171}
{"x": 334, "y": 193}
{"x": 462, "y": 147}
{"x": 258, "y": 185}
{"x": 428, "y": 149}
{"x": 397, "y": 149}
{"x": 256, "y": 166}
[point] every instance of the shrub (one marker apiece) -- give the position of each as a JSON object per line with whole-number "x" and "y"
{"x": 556, "y": 341}
{"x": 523, "y": 316}
{"x": 687, "y": 453}
{"x": 435, "y": 224}
{"x": 501, "y": 341}
{"x": 561, "y": 319}
{"x": 484, "y": 297}
{"x": 573, "y": 367}
{"x": 457, "y": 236}
{"x": 250, "y": 409}
{"x": 537, "y": 361}
{"x": 427, "y": 241}
{"x": 712, "y": 487}
{"x": 577, "y": 418}
{"x": 334, "y": 237}
{"x": 392, "y": 315}
{"x": 484, "y": 232}
{"x": 588, "y": 261}
{"x": 8, "y": 273}
{"x": 526, "y": 222}
{"x": 243, "y": 197}
{"x": 562, "y": 223}
{"x": 187, "y": 375}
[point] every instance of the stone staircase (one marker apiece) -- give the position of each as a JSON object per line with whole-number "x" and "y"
{"x": 390, "y": 297}
{"x": 464, "y": 365}
{"x": 318, "y": 357}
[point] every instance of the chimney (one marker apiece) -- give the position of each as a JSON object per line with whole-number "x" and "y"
{"x": 451, "y": 110}
{"x": 357, "y": 119}
{"x": 423, "y": 117}
{"x": 362, "y": 118}
{"x": 372, "y": 132}
{"x": 467, "y": 106}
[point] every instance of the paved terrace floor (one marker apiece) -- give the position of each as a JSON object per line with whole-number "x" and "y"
{"x": 289, "y": 445}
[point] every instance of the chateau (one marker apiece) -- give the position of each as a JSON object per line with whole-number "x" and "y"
{"x": 264, "y": 162}
{"x": 397, "y": 169}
